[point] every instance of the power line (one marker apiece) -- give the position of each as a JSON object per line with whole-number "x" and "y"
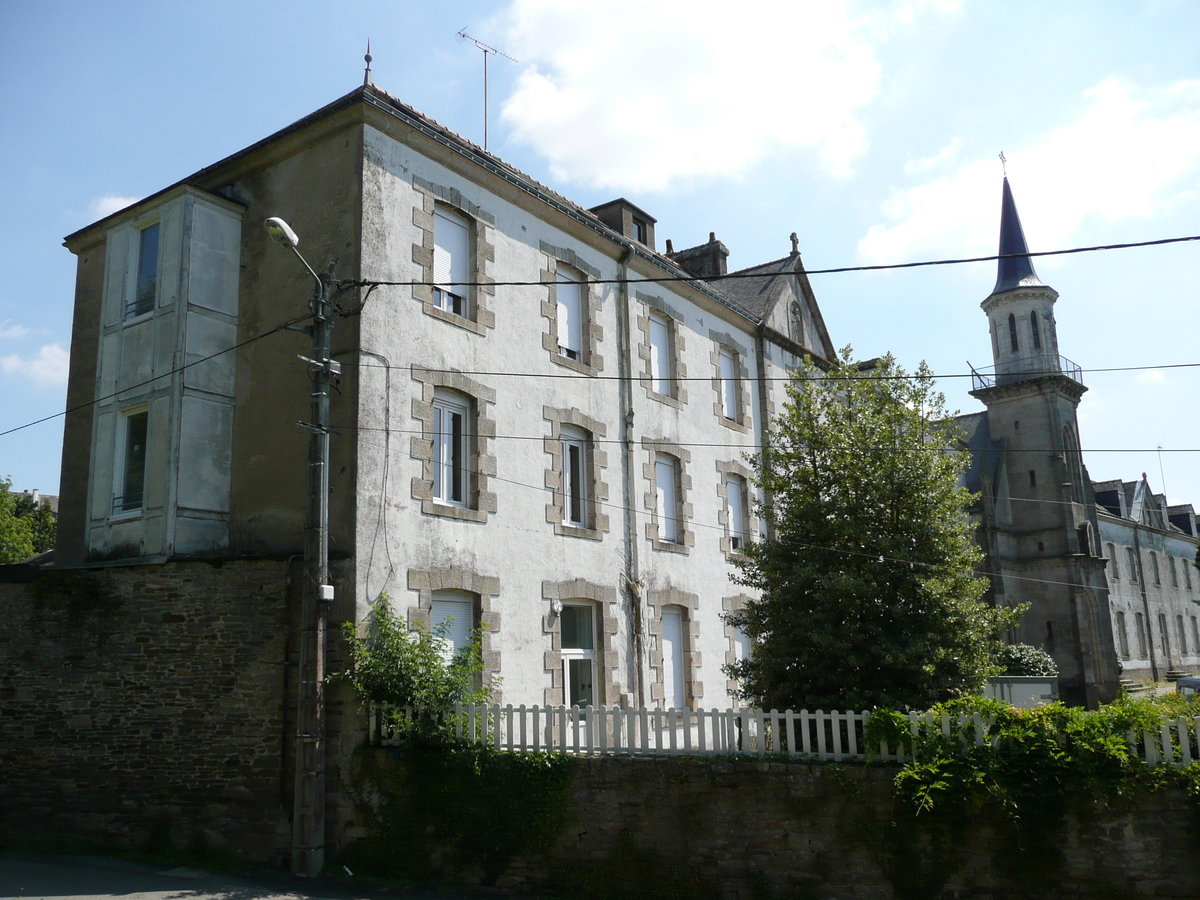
{"x": 667, "y": 279}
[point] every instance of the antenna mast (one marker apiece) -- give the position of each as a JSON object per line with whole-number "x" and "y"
{"x": 486, "y": 50}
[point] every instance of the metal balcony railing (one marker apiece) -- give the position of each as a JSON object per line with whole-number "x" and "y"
{"x": 1024, "y": 370}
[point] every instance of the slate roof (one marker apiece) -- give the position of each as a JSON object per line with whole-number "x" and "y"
{"x": 985, "y": 453}
{"x": 752, "y": 293}
{"x": 1014, "y": 272}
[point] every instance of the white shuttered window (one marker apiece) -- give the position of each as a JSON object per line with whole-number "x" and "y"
{"x": 456, "y": 609}
{"x": 729, "y": 385}
{"x": 666, "y": 478}
{"x": 660, "y": 354}
{"x": 674, "y": 684}
{"x": 570, "y": 315}
{"x": 451, "y": 270}
{"x": 735, "y": 492}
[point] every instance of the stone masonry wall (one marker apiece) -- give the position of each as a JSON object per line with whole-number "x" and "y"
{"x": 145, "y": 703}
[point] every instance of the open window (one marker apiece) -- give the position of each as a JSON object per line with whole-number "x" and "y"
{"x": 736, "y": 500}
{"x": 451, "y": 262}
{"x": 130, "y": 471}
{"x": 571, "y": 314}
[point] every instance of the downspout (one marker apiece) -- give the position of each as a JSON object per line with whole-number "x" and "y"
{"x": 1149, "y": 629}
{"x": 633, "y": 586}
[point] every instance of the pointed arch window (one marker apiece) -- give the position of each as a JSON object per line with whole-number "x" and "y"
{"x": 1033, "y": 325}
{"x": 1012, "y": 331}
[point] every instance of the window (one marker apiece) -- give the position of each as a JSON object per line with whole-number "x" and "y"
{"x": 1154, "y": 567}
{"x": 729, "y": 385}
{"x": 1012, "y": 331}
{"x": 131, "y": 462}
{"x": 735, "y": 497}
{"x": 1122, "y": 636}
{"x": 578, "y": 654}
{"x": 1140, "y": 627}
{"x": 640, "y": 232}
{"x": 1132, "y": 560}
{"x": 1187, "y": 573}
{"x": 145, "y": 290}
{"x": 660, "y": 353}
{"x": 1182, "y": 632}
{"x": 1195, "y": 636}
{"x": 451, "y": 448}
{"x": 576, "y": 494}
{"x": 666, "y": 486}
{"x": 451, "y": 254}
{"x": 673, "y": 670}
{"x": 1033, "y": 326}
{"x": 1032, "y": 478}
{"x": 570, "y": 315}
{"x": 1166, "y": 638}
{"x": 1114, "y": 569}
{"x": 1174, "y": 573}
{"x": 455, "y": 610}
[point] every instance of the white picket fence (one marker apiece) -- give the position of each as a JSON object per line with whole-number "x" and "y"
{"x": 835, "y": 736}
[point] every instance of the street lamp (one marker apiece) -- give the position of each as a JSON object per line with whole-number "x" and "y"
{"x": 308, "y": 815}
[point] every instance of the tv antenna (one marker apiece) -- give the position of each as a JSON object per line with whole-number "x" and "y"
{"x": 486, "y": 50}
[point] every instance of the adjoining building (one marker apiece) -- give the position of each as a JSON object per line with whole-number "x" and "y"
{"x": 1076, "y": 551}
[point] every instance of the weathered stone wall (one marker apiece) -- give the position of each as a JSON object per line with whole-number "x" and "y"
{"x": 741, "y": 829}
{"x": 144, "y": 703}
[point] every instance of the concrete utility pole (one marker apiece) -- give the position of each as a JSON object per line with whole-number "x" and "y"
{"x": 308, "y": 815}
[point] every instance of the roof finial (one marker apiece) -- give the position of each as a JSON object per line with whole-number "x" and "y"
{"x": 795, "y": 243}
{"x": 1003, "y": 164}
{"x": 367, "y": 74}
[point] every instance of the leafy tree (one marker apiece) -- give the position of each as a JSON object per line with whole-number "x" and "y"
{"x": 868, "y": 593}
{"x": 26, "y": 528}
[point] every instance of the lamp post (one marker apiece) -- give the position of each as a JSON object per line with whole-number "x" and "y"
{"x": 308, "y": 813}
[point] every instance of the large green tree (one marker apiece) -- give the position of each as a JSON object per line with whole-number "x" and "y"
{"x": 26, "y": 528}
{"x": 868, "y": 592}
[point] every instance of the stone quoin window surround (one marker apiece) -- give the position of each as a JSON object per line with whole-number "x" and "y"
{"x": 479, "y": 316}
{"x": 735, "y": 473}
{"x": 141, "y": 296}
{"x": 567, "y": 426}
{"x": 688, "y": 604}
{"x": 479, "y": 501}
{"x": 739, "y": 643}
{"x": 603, "y": 600}
{"x": 656, "y": 531}
{"x": 727, "y": 354}
{"x": 129, "y": 473}
{"x": 458, "y": 612}
{"x": 664, "y": 317}
{"x": 484, "y": 587}
{"x": 565, "y": 265}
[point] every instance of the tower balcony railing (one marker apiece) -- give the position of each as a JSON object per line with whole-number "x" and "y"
{"x": 1025, "y": 369}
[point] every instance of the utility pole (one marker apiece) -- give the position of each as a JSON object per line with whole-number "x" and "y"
{"x": 308, "y": 814}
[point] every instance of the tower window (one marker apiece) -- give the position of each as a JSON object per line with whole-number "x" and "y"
{"x": 1012, "y": 331}
{"x": 1032, "y": 478}
{"x": 1033, "y": 326}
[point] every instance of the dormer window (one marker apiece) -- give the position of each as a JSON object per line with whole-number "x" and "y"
{"x": 639, "y": 230}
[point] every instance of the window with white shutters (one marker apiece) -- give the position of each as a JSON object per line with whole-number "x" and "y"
{"x": 570, "y": 315}
{"x": 729, "y": 385}
{"x": 666, "y": 478}
{"x": 735, "y": 496}
{"x": 673, "y": 672}
{"x": 576, "y": 491}
{"x": 453, "y": 613}
{"x": 451, "y": 261}
{"x": 660, "y": 353}
{"x": 451, "y": 448}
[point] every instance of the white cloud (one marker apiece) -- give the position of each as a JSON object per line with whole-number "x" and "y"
{"x": 8, "y": 331}
{"x": 109, "y": 204}
{"x": 1151, "y": 378}
{"x": 48, "y": 368}
{"x": 916, "y": 166}
{"x": 1132, "y": 153}
{"x": 641, "y": 96}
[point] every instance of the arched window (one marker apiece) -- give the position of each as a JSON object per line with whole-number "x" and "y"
{"x": 1122, "y": 636}
{"x": 1154, "y": 567}
{"x": 1033, "y": 326}
{"x": 1012, "y": 331}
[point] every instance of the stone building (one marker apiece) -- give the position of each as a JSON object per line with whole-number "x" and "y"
{"x": 526, "y": 437}
{"x": 1052, "y": 538}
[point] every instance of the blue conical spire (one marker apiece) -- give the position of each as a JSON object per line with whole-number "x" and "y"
{"x": 1015, "y": 271}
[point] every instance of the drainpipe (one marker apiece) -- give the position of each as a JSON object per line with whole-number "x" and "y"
{"x": 629, "y": 461}
{"x": 1149, "y": 629}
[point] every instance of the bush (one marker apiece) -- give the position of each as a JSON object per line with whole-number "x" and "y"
{"x": 1024, "y": 659}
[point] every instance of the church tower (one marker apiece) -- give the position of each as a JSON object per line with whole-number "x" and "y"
{"x": 1038, "y": 507}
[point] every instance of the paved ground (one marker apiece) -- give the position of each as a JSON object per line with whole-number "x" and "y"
{"x": 29, "y": 875}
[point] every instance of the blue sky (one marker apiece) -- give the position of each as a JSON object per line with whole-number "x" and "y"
{"x": 869, "y": 129}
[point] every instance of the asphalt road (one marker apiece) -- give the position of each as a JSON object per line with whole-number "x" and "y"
{"x": 28, "y": 875}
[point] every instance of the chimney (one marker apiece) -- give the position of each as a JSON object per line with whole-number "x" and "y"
{"x": 705, "y": 261}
